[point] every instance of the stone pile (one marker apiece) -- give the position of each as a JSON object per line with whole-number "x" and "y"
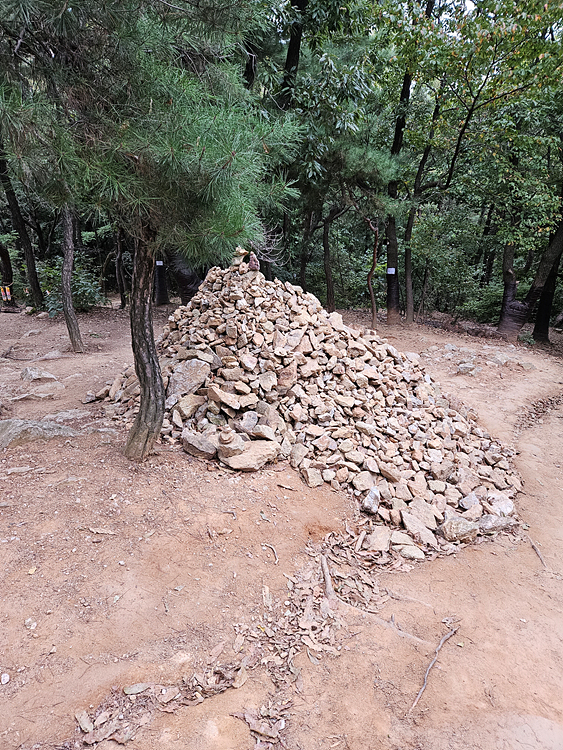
{"x": 257, "y": 370}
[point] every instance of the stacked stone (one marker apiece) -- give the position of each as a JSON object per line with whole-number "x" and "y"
{"x": 257, "y": 370}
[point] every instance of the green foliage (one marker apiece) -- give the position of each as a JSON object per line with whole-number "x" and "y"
{"x": 85, "y": 287}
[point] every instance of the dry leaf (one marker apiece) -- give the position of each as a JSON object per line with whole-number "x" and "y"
{"x": 238, "y": 643}
{"x": 241, "y": 678}
{"x": 216, "y": 652}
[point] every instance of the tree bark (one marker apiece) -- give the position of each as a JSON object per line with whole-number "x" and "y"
{"x": 543, "y": 314}
{"x": 370, "y": 277}
{"x": 417, "y": 192}
{"x": 409, "y": 297}
{"x": 292, "y": 57}
{"x": 18, "y": 224}
{"x": 515, "y": 314}
{"x": 146, "y": 428}
{"x": 393, "y": 303}
{"x": 304, "y": 255}
{"x": 66, "y": 281}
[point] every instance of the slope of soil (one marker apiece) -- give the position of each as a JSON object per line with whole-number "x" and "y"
{"x": 115, "y": 574}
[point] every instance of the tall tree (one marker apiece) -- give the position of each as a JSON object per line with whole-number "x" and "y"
{"x": 165, "y": 138}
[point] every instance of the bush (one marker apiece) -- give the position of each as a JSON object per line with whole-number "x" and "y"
{"x": 86, "y": 292}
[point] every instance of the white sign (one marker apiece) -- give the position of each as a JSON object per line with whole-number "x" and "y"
{"x": 391, "y": 271}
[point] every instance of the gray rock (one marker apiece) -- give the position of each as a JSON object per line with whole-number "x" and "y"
{"x": 464, "y": 368}
{"x": 264, "y": 432}
{"x": 34, "y": 373}
{"x": 427, "y": 513}
{"x": 188, "y": 376}
{"x": 399, "y": 537}
{"x": 313, "y": 477}
{"x": 66, "y": 416}
{"x": 230, "y": 443}
{"x": 256, "y": 454}
{"x": 488, "y": 524}
{"x": 469, "y": 501}
{"x": 197, "y": 445}
{"x": 268, "y": 380}
{"x": 247, "y": 422}
{"x": 459, "y": 530}
{"x": 188, "y": 405}
{"x": 500, "y": 504}
{"x": 370, "y": 503}
{"x": 18, "y": 431}
{"x": 410, "y": 552}
{"x": 418, "y": 530}
{"x": 378, "y": 540}
{"x": 363, "y": 481}
{"x": 298, "y": 453}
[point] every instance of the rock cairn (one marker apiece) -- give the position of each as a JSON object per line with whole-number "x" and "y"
{"x": 257, "y": 370}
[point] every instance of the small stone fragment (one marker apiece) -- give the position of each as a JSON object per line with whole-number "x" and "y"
{"x": 410, "y": 552}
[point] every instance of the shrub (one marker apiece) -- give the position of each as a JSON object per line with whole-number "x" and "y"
{"x": 85, "y": 286}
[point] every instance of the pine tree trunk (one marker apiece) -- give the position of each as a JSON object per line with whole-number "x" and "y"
{"x": 146, "y": 428}
{"x": 393, "y": 304}
{"x": 543, "y": 314}
{"x": 19, "y": 227}
{"x": 66, "y": 281}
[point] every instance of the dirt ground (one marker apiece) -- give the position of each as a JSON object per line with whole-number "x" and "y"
{"x": 115, "y": 574}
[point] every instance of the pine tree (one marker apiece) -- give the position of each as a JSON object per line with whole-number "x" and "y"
{"x": 154, "y": 127}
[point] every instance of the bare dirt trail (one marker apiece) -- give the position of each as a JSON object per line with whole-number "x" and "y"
{"x": 115, "y": 574}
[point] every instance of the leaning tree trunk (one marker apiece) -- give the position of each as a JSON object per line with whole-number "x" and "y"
{"x": 66, "y": 281}
{"x": 543, "y": 314}
{"x": 146, "y": 428}
{"x": 18, "y": 224}
{"x": 515, "y": 314}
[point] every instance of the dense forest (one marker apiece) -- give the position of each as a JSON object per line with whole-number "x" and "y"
{"x": 414, "y": 146}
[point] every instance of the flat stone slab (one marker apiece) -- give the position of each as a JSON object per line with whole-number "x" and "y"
{"x": 18, "y": 431}
{"x": 255, "y": 455}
